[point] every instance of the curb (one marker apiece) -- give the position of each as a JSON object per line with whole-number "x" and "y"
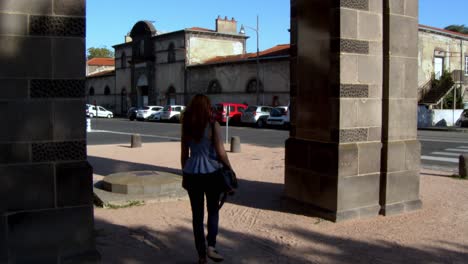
{"x": 449, "y": 129}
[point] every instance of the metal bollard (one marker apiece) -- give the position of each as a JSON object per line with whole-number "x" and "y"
{"x": 88, "y": 124}
{"x": 463, "y": 166}
{"x": 135, "y": 141}
{"x": 235, "y": 145}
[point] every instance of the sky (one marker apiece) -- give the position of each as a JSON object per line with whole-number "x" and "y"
{"x": 108, "y": 21}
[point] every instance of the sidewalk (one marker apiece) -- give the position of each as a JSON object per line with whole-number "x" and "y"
{"x": 257, "y": 226}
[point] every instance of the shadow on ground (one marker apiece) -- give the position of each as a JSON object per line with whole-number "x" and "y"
{"x": 120, "y": 244}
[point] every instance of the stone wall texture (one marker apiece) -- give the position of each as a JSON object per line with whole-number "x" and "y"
{"x": 342, "y": 114}
{"x": 46, "y": 213}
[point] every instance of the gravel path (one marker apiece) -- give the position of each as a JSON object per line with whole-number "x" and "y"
{"x": 258, "y": 226}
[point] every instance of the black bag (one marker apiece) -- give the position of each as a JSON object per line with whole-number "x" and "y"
{"x": 226, "y": 181}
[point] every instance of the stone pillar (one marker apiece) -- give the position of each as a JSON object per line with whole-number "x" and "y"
{"x": 401, "y": 149}
{"x": 352, "y": 150}
{"x": 46, "y": 213}
{"x": 333, "y": 153}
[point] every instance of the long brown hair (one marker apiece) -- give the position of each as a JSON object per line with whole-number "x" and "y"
{"x": 196, "y": 117}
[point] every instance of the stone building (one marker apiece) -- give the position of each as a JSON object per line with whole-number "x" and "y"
{"x": 441, "y": 50}
{"x": 233, "y": 78}
{"x": 151, "y": 67}
{"x": 101, "y": 90}
{"x": 96, "y": 65}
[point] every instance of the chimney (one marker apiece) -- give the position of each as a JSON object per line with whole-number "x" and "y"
{"x": 225, "y": 25}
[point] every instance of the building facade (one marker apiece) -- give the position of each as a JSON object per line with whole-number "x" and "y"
{"x": 441, "y": 51}
{"x": 154, "y": 68}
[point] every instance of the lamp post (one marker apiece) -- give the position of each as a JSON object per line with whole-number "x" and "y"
{"x": 257, "y": 81}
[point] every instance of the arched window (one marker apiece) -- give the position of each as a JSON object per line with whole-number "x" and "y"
{"x": 106, "y": 90}
{"x": 252, "y": 86}
{"x": 214, "y": 87}
{"x": 171, "y": 53}
{"x": 123, "y": 60}
{"x": 91, "y": 91}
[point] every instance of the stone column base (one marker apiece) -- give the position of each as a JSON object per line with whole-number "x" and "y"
{"x": 399, "y": 208}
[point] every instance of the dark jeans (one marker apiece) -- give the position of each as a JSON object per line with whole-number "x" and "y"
{"x": 197, "y": 202}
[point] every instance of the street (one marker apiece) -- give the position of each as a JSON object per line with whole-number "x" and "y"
{"x": 439, "y": 150}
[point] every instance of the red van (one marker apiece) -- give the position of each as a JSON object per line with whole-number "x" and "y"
{"x": 235, "y": 112}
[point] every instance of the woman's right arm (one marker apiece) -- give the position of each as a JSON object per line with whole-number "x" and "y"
{"x": 219, "y": 147}
{"x": 184, "y": 151}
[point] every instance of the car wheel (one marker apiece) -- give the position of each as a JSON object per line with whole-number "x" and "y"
{"x": 260, "y": 123}
{"x": 131, "y": 118}
{"x": 109, "y": 116}
{"x": 91, "y": 115}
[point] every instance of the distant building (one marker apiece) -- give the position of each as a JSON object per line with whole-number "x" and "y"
{"x": 96, "y": 65}
{"x": 441, "y": 50}
{"x": 154, "y": 68}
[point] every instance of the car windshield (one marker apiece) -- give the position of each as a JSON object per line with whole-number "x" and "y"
{"x": 277, "y": 111}
{"x": 145, "y": 108}
{"x": 251, "y": 109}
{"x": 167, "y": 108}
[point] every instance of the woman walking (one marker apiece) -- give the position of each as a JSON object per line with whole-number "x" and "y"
{"x": 201, "y": 149}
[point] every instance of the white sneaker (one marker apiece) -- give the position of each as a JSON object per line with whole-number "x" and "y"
{"x": 214, "y": 255}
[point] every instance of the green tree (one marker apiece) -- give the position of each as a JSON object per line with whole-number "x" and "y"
{"x": 102, "y": 52}
{"x": 458, "y": 28}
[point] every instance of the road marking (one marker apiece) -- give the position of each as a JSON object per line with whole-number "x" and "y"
{"x": 446, "y": 153}
{"x": 463, "y": 147}
{"x": 443, "y": 141}
{"x": 125, "y": 133}
{"x": 452, "y": 160}
{"x": 456, "y": 149}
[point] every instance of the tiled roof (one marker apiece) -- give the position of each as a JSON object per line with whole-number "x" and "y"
{"x": 278, "y": 50}
{"x": 101, "y": 62}
{"x": 102, "y": 74}
{"x": 200, "y": 29}
{"x": 443, "y": 31}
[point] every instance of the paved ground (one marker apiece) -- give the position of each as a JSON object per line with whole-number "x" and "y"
{"x": 258, "y": 226}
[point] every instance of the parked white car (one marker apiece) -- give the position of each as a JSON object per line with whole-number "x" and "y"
{"x": 279, "y": 116}
{"x": 463, "y": 119}
{"x": 146, "y": 111}
{"x": 172, "y": 112}
{"x": 155, "y": 116}
{"x": 97, "y": 111}
{"x": 256, "y": 115}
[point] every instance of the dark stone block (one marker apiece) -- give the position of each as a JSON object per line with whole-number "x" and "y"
{"x": 27, "y": 121}
{"x": 58, "y": 88}
{"x": 27, "y": 187}
{"x": 57, "y": 26}
{"x": 14, "y": 153}
{"x": 69, "y": 120}
{"x": 354, "y": 4}
{"x": 74, "y": 184}
{"x": 70, "y": 7}
{"x": 399, "y": 186}
{"x": 369, "y": 157}
{"x": 46, "y": 235}
{"x": 13, "y": 88}
{"x": 350, "y": 135}
{"x": 350, "y": 46}
{"x": 39, "y": 7}
{"x": 59, "y": 151}
{"x": 66, "y": 50}
{"x": 359, "y": 213}
{"x": 354, "y": 90}
{"x": 22, "y": 57}
{"x": 13, "y": 24}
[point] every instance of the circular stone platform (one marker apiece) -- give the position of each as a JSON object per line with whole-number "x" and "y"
{"x": 143, "y": 182}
